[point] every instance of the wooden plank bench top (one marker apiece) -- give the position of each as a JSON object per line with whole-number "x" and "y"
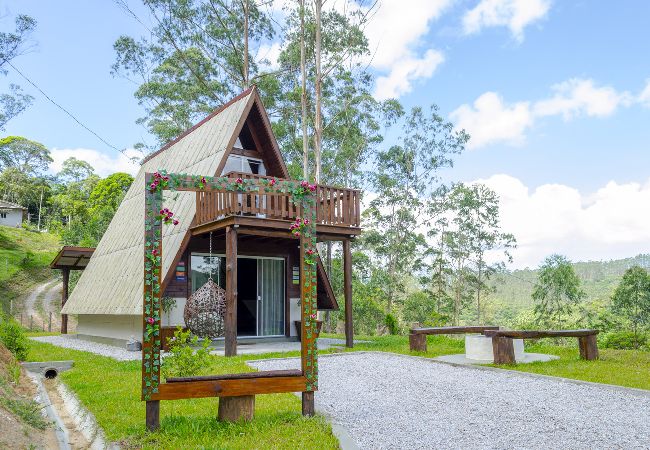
{"x": 418, "y": 336}
{"x": 452, "y": 330}
{"x": 239, "y": 376}
{"x": 535, "y": 334}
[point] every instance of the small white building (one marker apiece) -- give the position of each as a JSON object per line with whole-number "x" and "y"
{"x": 11, "y": 214}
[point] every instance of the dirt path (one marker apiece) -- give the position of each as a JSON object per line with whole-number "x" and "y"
{"x": 43, "y": 300}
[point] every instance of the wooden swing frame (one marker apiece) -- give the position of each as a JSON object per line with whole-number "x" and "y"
{"x": 304, "y": 380}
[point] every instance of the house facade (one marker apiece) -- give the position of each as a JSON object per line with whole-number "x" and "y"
{"x": 234, "y": 141}
{"x": 11, "y": 214}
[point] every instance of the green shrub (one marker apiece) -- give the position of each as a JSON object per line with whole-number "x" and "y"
{"x": 624, "y": 340}
{"x": 184, "y": 360}
{"x": 391, "y": 324}
{"x": 13, "y": 337}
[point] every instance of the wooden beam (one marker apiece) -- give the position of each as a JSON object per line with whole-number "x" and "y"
{"x": 454, "y": 330}
{"x": 347, "y": 281}
{"x": 230, "y": 321}
{"x": 153, "y": 415}
{"x": 64, "y": 298}
{"x": 229, "y": 388}
{"x": 536, "y": 334}
{"x": 308, "y": 407}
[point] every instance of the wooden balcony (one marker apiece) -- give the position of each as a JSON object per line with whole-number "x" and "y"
{"x": 338, "y": 210}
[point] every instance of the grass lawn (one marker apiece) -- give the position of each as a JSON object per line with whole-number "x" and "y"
{"x": 111, "y": 391}
{"x": 629, "y": 368}
{"x": 24, "y": 259}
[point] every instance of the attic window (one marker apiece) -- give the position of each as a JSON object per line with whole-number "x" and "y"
{"x": 236, "y": 163}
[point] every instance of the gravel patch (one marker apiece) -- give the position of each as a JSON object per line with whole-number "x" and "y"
{"x": 69, "y": 341}
{"x": 391, "y": 401}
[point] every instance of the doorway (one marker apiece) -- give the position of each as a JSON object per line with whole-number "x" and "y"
{"x": 260, "y": 290}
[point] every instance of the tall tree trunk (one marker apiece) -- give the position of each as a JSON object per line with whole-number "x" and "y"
{"x": 246, "y": 31}
{"x": 303, "y": 94}
{"x": 478, "y": 295}
{"x": 318, "y": 128}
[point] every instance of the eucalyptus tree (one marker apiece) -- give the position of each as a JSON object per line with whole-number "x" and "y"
{"x": 405, "y": 179}
{"x": 631, "y": 299}
{"x": 197, "y": 55}
{"x": 12, "y": 44}
{"x": 556, "y": 292}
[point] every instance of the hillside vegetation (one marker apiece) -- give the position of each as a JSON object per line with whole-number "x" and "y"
{"x": 598, "y": 280}
{"x": 24, "y": 261}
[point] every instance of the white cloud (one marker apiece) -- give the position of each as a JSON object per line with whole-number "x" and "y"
{"x": 514, "y": 14}
{"x": 555, "y": 218}
{"x": 644, "y": 97}
{"x": 103, "y": 163}
{"x": 401, "y": 77}
{"x": 490, "y": 120}
{"x": 576, "y": 97}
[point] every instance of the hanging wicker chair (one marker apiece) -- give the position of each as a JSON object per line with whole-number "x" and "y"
{"x": 205, "y": 309}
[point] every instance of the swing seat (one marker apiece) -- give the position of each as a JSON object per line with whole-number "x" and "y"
{"x": 204, "y": 311}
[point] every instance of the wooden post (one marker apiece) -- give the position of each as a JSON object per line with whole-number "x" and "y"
{"x": 308, "y": 408}
{"x": 347, "y": 281}
{"x": 503, "y": 349}
{"x": 64, "y": 298}
{"x": 588, "y": 347}
{"x": 153, "y": 415}
{"x": 234, "y": 409}
{"x": 418, "y": 342}
{"x": 230, "y": 320}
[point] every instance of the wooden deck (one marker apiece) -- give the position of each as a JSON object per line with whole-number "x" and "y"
{"x": 338, "y": 211}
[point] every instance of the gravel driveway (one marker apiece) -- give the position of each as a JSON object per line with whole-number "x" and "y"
{"x": 398, "y": 402}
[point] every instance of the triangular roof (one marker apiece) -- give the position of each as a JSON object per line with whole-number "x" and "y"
{"x": 112, "y": 283}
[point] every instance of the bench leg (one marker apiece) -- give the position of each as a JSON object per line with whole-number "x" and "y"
{"x": 418, "y": 342}
{"x": 503, "y": 350}
{"x": 153, "y": 415}
{"x": 233, "y": 409}
{"x": 588, "y": 347}
{"x": 308, "y": 408}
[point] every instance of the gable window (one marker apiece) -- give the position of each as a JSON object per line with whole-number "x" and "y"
{"x": 237, "y": 163}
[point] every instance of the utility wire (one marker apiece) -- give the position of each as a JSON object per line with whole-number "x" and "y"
{"x": 122, "y": 151}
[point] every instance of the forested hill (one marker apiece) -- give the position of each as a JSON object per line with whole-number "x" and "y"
{"x": 599, "y": 279}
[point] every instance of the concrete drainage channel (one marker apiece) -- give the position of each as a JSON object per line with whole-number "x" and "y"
{"x": 75, "y": 426}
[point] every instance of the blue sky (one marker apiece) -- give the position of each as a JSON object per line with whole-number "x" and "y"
{"x": 551, "y": 90}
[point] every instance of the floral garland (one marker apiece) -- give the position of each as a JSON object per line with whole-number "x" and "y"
{"x": 301, "y": 194}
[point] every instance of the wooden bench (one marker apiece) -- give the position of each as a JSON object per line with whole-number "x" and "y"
{"x": 236, "y": 407}
{"x": 504, "y": 352}
{"x": 418, "y": 336}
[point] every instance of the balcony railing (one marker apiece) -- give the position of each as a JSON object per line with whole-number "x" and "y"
{"x": 334, "y": 206}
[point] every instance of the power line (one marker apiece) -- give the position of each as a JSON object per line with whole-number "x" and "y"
{"x": 123, "y": 150}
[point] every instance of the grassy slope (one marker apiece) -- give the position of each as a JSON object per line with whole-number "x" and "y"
{"x": 629, "y": 368}
{"x": 110, "y": 390}
{"x": 24, "y": 260}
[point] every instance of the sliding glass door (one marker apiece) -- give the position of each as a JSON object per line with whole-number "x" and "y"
{"x": 270, "y": 297}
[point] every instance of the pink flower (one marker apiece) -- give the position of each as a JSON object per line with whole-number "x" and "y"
{"x": 272, "y": 183}
{"x": 156, "y": 174}
{"x": 166, "y": 178}
{"x": 304, "y": 183}
{"x": 154, "y": 252}
{"x": 170, "y": 214}
{"x": 297, "y": 234}
{"x": 203, "y": 180}
{"x": 175, "y": 222}
{"x": 239, "y": 181}
{"x": 306, "y": 221}
{"x": 312, "y": 187}
{"x": 313, "y": 316}
{"x": 151, "y": 320}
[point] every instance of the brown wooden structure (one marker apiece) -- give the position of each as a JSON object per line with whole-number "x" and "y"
{"x": 67, "y": 259}
{"x": 418, "y": 336}
{"x": 503, "y": 347}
